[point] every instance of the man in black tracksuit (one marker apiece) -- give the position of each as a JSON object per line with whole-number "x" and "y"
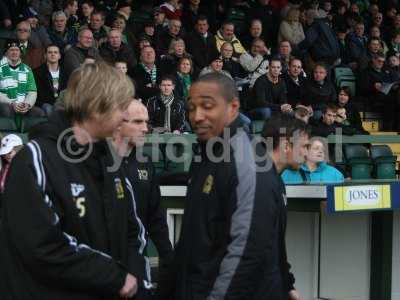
{"x": 141, "y": 173}
{"x": 69, "y": 228}
{"x": 232, "y": 241}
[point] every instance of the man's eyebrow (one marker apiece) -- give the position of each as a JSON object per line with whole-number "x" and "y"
{"x": 205, "y": 97}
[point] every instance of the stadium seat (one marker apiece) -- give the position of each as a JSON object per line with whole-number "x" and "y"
{"x": 384, "y": 162}
{"x": 29, "y": 122}
{"x": 257, "y": 126}
{"x": 7, "y": 125}
{"x": 342, "y": 73}
{"x": 175, "y": 158}
{"x": 359, "y": 163}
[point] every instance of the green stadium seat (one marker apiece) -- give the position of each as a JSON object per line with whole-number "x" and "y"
{"x": 7, "y": 125}
{"x": 342, "y": 73}
{"x": 359, "y": 162}
{"x": 257, "y": 126}
{"x": 384, "y": 162}
{"x": 29, "y": 122}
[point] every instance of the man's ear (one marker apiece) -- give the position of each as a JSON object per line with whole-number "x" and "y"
{"x": 234, "y": 105}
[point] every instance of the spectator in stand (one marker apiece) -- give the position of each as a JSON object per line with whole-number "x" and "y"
{"x": 183, "y": 79}
{"x": 318, "y": 90}
{"x": 30, "y": 55}
{"x": 374, "y": 47}
{"x": 114, "y": 50}
{"x": 231, "y": 64}
{"x": 270, "y": 93}
{"x": 169, "y": 62}
{"x": 172, "y": 9}
{"x": 339, "y": 19}
{"x": 351, "y": 115}
{"x": 315, "y": 169}
{"x": 143, "y": 42}
{"x": 344, "y": 56}
{"x": 325, "y": 125}
{"x": 375, "y": 32}
{"x": 59, "y": 34}
{"x": 5, "y": 16}
{"x": 190, "y": 13}
{"x": 71, "y": 9}
{"x": 302, "y": 113}
{"x": 50, "y": 80}
{"x": 294, "y": 80}
{"x": 263, "y": 11}
{"x": 87, "y": 9}
{"x": 284, "y": 54}
{"x": 166, "y": 111}
{"x": 122, "y": 66}
{"x": 255, "y": 32}
{"x": 291, "y": 29}
{"x": 320, "y": 43}
{"x": 11, "y": 144}
{"x": 164, "y": 39}
{"x": 216, "y": 65}
{"x": 147, "y": 75}
{"x": 394, "y": 44}
{"x": 17, "y": 84}
{"x": 393, "y": 65}
{"x": 159, "y": 20}
{"x": 124, "y": 8}
{"x": 149, "y": 32}
{"x": 98, "y": 29}
{"x": 201, "y": 43}
{"x": 255, "y": 62}
{"x": 377, "y": 20}
{"x": 357, "y": 43}
{"x": 127, "y": 37}
{"x": 39, "y": 37}
{"x": 371, "y": 84}
{"x": 76, "y": 55}
{"x": 227, "y": 34}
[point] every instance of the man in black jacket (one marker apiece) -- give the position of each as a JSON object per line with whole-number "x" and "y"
{"x": 50, "y": 80}
{"x": 294, "y": 80}
{"x": 69, "y": 228}
{"x": 231, "y": 239}
{"x": 201, "y": 43}
{"x": 115, "y": 50}
{"x": 128, "y": 141}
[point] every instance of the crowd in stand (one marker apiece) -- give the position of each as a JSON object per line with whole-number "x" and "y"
{"x": 281, "y": 55}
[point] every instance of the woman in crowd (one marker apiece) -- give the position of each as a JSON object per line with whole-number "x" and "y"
{"x": 176, "y": 51}
{"x": 184, "y": 77}
{"x": 315, "y": 169}
{"x": 231, "y": 63}
{"x": 291, "y": 29}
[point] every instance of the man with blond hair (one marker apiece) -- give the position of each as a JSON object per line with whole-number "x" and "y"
{"x": 72, "y": 231}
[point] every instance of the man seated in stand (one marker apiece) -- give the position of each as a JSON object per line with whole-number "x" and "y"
{"x": 17, "y": 84}
{"x": 166, "y": 111}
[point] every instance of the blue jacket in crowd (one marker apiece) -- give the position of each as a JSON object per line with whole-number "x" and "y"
{"x": 323, "y": 174}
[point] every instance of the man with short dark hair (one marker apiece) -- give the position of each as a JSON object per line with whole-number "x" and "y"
{"x": 326, "y": 125}
{"x": 166, "y": 111}
{"x": 201, "y": 43}
{"x": 228, "y": 222}
{"x": 294, "y": 79}
{"x": 270, "y": 93}
{"x": 50, "y": 79}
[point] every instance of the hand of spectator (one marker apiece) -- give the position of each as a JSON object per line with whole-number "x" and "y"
{"x": 378, "y": 86}
{"x": 310, "y": 110}
{"x": 286, "y": 108}
{"x": 7, "y": 23}
{"x": 17, "y": 106}
{"x": 176, "y": 132}
{"x": 130, "y": 287}
{"x": 294, "y": 295}
{"x": 149, "y": 85}
{"x": 25, "y": 107}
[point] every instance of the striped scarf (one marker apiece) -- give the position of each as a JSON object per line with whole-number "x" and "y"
{"x": 152, "y": 72}
{"x": 167, "y": 100}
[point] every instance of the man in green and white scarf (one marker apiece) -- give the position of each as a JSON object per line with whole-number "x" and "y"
{"x": 17, "y": 85}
